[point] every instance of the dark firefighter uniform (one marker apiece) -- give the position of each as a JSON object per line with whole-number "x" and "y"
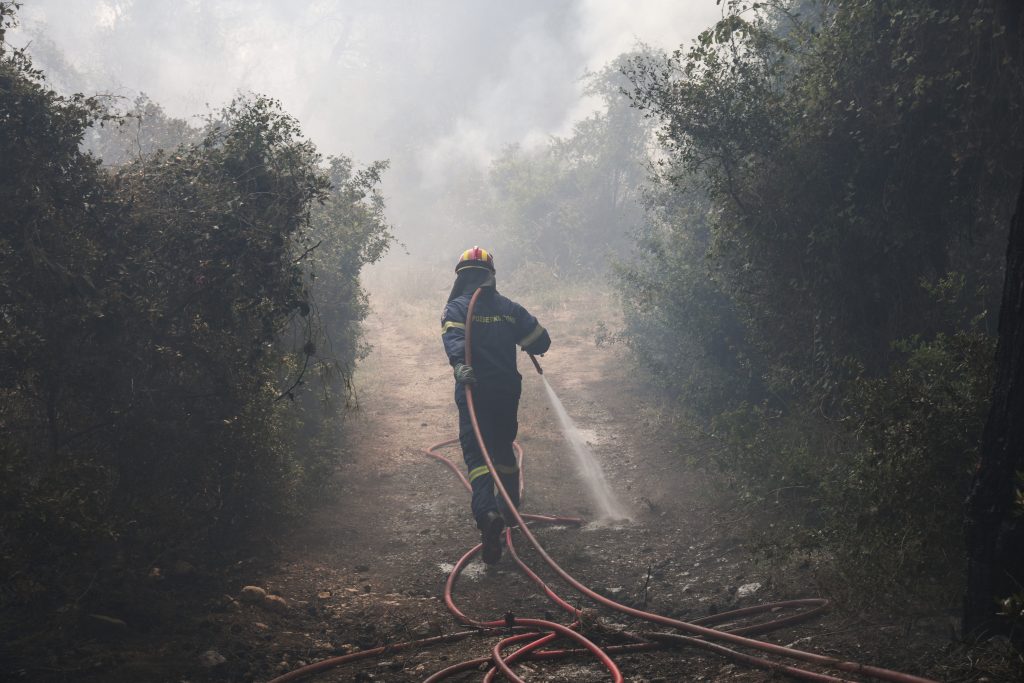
{"x": 499, "y": 325}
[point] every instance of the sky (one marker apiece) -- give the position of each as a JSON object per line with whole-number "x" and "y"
{"x": 430, "y": 85}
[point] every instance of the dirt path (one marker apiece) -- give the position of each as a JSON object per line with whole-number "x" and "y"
{"x": 370, "y": 566}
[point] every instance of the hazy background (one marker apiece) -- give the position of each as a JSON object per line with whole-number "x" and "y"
{"x": 437, "y": 87}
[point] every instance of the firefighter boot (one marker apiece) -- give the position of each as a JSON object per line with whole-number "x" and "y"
{"x": 491, "y": 526}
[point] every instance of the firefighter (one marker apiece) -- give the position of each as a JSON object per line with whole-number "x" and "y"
{"x": 499, "y": 324}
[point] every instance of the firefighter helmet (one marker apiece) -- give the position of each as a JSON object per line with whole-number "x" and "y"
{"x": 475, "y": 258}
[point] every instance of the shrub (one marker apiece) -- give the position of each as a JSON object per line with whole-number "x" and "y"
{"x": 155, "y": 318}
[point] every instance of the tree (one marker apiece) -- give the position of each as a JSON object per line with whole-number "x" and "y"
{"x": 140, "y": 132}
{"x": 572, "y": 203}
{"x": 995, "y": 525}
{"x": 155, "y": 315}
{"x": 855, "y": 168}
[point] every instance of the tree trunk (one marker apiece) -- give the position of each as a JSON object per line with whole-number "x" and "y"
{"x": 995, "y": 534}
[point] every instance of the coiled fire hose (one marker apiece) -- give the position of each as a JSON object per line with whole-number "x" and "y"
{"x": 537, "y": 633}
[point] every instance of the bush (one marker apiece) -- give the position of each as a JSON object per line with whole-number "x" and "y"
{"x": 156, "y": 318}
{"x": 896, "y": 498}
{"x": 808, "y": 187}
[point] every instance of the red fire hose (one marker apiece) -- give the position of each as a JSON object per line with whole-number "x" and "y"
{"x": 540, "y": 632}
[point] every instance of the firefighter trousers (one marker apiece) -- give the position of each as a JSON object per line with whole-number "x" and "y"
{"x": 497, "y": 415}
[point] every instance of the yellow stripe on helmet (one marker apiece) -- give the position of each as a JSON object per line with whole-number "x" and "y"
{"x": 471, "y": 254}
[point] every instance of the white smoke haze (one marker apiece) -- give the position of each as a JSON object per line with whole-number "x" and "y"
{"x": 435, "y": 86}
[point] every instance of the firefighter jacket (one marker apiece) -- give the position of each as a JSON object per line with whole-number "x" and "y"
{"x": 499, "y": 324}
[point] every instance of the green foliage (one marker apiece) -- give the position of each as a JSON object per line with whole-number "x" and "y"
{"x": 814, "y": 159}
{"x": 154, "y": 319}
{"x": 347, "y": 231}
{"x": 1012, "y": 607}
{"x": 836, "y": 178}
{"x": 917, "y": 434}
{"x": 350, "y": 230}
{"x": 139, "y": 132}
{"x": 571, "y": 204}
{"x": 670, "y": 285}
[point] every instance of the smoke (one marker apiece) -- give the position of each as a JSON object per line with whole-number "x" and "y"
{"x": 436, "y": 86}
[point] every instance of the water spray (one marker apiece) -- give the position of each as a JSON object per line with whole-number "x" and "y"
{"x": 605, "y": 501}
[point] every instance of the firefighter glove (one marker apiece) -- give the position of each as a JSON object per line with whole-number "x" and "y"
{"x": 464, "y": 374}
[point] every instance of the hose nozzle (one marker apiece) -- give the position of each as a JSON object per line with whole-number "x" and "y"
{"x": 540, "y": 370}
